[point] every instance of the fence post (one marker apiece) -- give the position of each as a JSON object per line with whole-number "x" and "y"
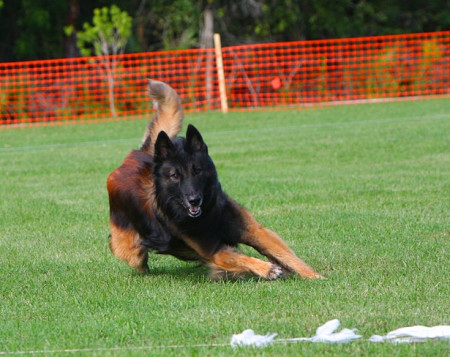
{"x": 220, "y": 73}
{"x": 206, "y": 41}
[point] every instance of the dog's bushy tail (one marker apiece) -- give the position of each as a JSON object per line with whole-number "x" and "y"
{"x": 168, "y": 117}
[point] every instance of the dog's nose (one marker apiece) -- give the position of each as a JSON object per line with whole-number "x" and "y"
{"x": 195, "y": 200}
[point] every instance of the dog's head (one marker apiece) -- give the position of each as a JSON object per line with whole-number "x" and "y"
{"x": 185, "y": 176}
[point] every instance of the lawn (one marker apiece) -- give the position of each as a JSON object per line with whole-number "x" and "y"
{"x": 360, "y": 192}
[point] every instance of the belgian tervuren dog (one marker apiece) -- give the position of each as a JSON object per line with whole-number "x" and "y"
{"x": 166, "y": 197}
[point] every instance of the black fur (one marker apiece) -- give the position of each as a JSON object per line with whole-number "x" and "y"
{"x": 166, "y": 197}
{"x": 183, "y": 170}
{"x": 128, "y": 203}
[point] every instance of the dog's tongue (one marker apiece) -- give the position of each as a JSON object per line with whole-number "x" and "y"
{"x": 195, "y": 211}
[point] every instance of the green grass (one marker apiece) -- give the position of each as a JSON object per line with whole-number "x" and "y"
{"x": 360, "y": 192}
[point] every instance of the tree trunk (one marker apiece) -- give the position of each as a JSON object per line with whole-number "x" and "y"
{"x": 70, "y": 42}
{"x": 110, "y": 76}
{"x": 206, "y": 41}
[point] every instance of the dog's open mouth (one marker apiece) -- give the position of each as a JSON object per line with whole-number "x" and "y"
{"x": 195, "y": 211}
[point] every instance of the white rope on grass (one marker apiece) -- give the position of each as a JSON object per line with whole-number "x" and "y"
{"x": 110, "y": 349}
{"x": 327, "y": 334}
{"x": 324, "y": 334}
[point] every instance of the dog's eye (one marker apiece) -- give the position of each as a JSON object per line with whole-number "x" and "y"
{"x": 175, "y": 177}
{"x": 196, "y": 170}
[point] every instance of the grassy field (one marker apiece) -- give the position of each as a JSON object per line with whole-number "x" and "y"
{"x": 360, "y": 192}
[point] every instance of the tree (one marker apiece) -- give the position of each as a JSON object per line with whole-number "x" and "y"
{"x": 30, "y": 29}
{"x": 33, "y": 29}
{"x": 167, "y": 24}
{"x": 106, "y": 38}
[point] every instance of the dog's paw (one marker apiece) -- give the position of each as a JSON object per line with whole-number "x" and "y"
{"x": 218, "y": 274}
{"x": 318, "y": 276}
{"x": 313, "y": 275}
{"x": 142, "y": 269}
{"x": 275, "y": 272}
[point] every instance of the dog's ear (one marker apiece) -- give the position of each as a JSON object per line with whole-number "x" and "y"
{"x": 163, "y": 147}
{"x": 194, "y": 140}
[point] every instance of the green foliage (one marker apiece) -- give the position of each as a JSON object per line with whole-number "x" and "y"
{"x": 13, "y": 100}
{"x": 29, "y": 29}
{"x": 432, "y": 51}
{"x": 168, "y": 24}
{"x": 108, "y": 34}
{"x": 33, "y": 29}
{"x": 358, "y": 191}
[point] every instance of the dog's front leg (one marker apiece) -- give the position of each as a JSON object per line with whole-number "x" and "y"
{"x": 272, "y": 246}
{"x": 229, "y": 262}
{"x": 127, "y": 246}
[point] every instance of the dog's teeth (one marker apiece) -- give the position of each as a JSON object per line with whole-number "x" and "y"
{"x": 195, "y": 211}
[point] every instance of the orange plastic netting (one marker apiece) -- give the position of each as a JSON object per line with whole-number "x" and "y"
{"x": 256, "y": 76}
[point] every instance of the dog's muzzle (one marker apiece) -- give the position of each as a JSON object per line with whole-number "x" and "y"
{"x": 195, "y": 211}
{"x": 194, "y": 206}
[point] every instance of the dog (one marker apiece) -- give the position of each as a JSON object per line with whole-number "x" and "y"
{"x": 166, "y": 198}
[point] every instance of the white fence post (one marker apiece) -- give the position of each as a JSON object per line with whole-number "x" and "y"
{"x": 220, "y": 73}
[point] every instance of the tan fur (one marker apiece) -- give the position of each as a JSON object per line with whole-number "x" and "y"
{"x": 169, "y": 113}
{"x": 134, "y": 178}
{"x": 272, "y": 246}
{"x": 229, "y": 260}
{"x": 126, "y": 245}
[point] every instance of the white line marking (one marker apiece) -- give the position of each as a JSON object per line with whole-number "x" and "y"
{"x": 111, "y": 349}
{"x": 227, "y": 132}
{"x": 67, "y": 145}
{"x": 307, "y": 126}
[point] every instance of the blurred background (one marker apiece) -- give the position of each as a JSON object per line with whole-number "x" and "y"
{"x": 37, "y": 29}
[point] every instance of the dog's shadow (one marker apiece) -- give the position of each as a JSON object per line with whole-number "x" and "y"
{"x": 188, "y": 272}
{"x": 197, "y": 273}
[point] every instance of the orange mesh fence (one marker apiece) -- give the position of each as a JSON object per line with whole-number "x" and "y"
{"x": 96, "y": 88}
{"x": 324, "y": 71}
{"x": 256, "y": 76}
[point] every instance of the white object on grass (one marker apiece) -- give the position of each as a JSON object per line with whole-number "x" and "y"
{"x": 414, "y": 334}
{"x": 250, "y": 338}
{"x": 324, "y": 333}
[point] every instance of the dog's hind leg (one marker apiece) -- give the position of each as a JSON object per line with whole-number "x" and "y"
{"x": 126, "y": 245}
{"x": 272, "y": 246}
